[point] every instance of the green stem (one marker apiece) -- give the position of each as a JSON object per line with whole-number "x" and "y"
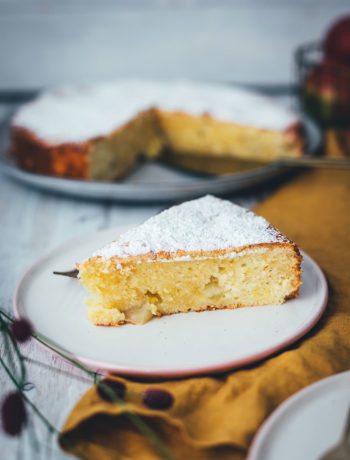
{"x": 51, "y": 428}
{"x": 52, "y": 368}
{"x": 5, "y": 333}
{"x": 69, "y": 374}
{"x": 67, "y": 358}
{"x": 27, "y": 400}
{"x": 6, "y": 316}
{"x": 138, "y": 422}
{"x": 20, "y": 359}
{"x": 135, "y": 419}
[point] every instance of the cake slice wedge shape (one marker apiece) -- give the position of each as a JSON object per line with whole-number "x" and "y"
{"x": 203, "y": 254}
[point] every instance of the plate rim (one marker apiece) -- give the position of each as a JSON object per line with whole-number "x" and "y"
{"x": 139, "y": 372}
{"x": 260, "y": 436}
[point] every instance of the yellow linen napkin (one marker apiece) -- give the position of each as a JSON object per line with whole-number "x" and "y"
{"x": 216, "y": 417}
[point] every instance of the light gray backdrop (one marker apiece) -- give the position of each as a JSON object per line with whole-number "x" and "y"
{"x": 45, "y": 42}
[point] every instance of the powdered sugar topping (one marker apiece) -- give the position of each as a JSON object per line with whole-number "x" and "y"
{"x": 205, "y": 224}
{"x": 77, "y": 114}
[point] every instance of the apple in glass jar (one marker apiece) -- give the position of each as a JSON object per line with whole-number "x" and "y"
{"x": 326, "y": 86}
{"x": 336, "y": 44}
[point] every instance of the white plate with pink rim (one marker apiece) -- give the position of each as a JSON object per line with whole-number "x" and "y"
{"x": 307, "y": 424}
{"x": 171, "y": 346}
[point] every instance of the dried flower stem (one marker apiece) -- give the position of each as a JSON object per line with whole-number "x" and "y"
{"x": 7, "y": 344}
{"x": 77, "y": 377}
{"x": 20, "y": 359}
{"x": 20, "y": 385}
{"x": 52, "y": 368}
{"x": 134, "y": 418}
{"x": 27, "y": 400}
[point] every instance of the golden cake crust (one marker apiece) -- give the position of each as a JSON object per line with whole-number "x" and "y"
{"x": 163, "y": 255}
{"x": 182, "y": 133}
{"x": 35, "y": 155}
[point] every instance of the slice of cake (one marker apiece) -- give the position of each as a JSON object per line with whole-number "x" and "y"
{"x": 201, "y": 255}
{"x": 98, "y": 132}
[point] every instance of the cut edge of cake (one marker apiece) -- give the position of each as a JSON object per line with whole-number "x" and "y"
{"x": 179, "y": 131}
{"x": 113, "y": 156}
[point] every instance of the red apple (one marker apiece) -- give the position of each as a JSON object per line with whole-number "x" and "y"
{"x": 336, "y": 44}
{"x": 326, "y": 92}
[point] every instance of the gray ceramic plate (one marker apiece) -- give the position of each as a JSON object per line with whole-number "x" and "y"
{"x": 152, "y": 181}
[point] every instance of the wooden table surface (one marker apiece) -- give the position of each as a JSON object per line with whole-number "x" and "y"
{"x": 33, "y": 223}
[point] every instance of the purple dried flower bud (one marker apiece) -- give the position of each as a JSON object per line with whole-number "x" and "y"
{"x": 116, "y": 386}
{"x": 13, "y": 413}
{"x": 21, "y": 330}
{"x": 157, "y": 399}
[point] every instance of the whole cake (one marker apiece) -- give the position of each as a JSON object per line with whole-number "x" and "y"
{"x": 99, "y": 132}
{"x": 203, "y": 254}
